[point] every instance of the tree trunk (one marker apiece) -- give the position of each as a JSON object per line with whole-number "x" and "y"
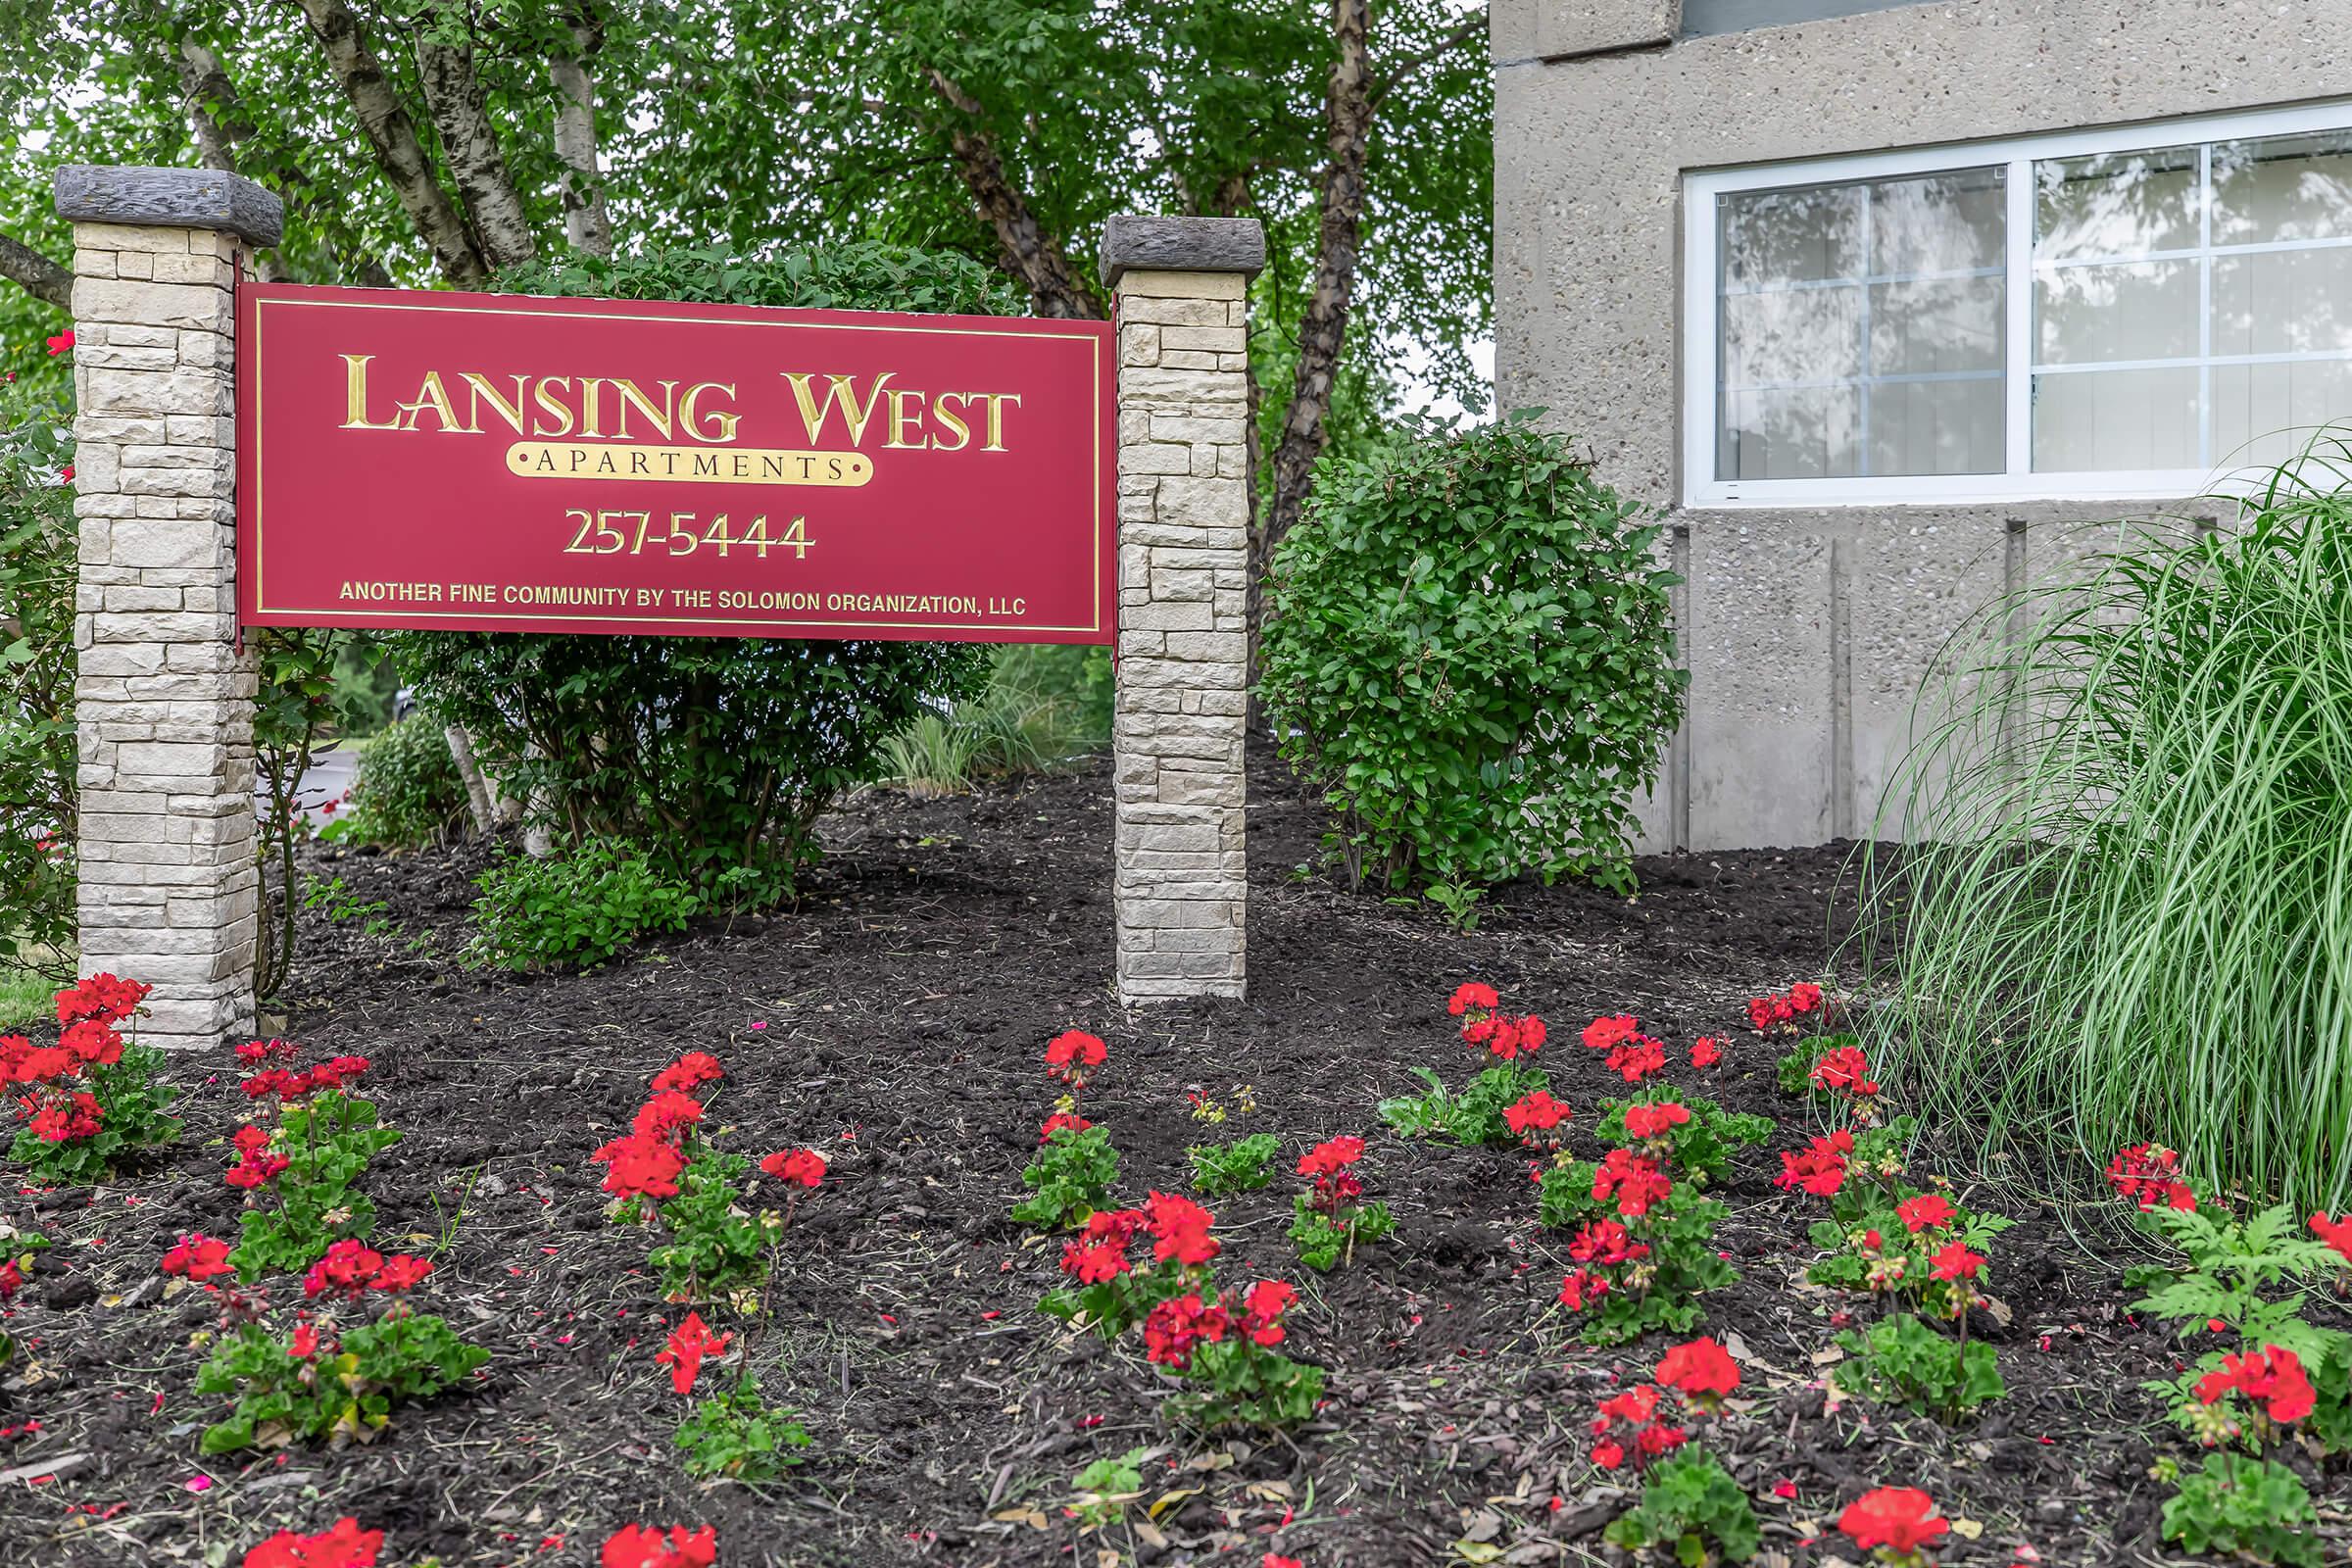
{"x": 477, "y": 790}
{"x": 215, "y": 121}
{"x": 1323, "y": 329}
{"x": 587, "y": 226}
{"x": 1029, "y": 252}
{"x": 460, "y": 111}
{"x": 42, "y": 278}
{"x": 392, "y": 139}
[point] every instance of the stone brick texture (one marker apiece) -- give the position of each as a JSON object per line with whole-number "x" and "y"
{"x": 1180, "y": 886}
{"x": 163, "y": 700}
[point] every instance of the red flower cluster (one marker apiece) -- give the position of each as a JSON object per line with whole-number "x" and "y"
{"x": 255, "y": 1166}
{"x": 1820, "y": 1169}
{"x": 1485, "y": 1027}
{"x": 1179, "y": 1323}
{"x": 795, "y": 1167}
{"x": 1598, "y": 1245}
{"x": 689, "y": 1343}
{"x": 1061, "y": 1121}
{"x": 1926, "y": 1213}
{"x": 346, "y": 1546}
{"x": 1536, "y": 1117}
{"x": 1179, "y": 1229}
{"x": 1700, "y": 1371}
{"x": 101, "y": 999}
{"x": 1100, "y": 1256}
{"x": 56, "y": 1112}
{"x": 1900, "y": 1520}
{"x": 1785, "y": 1008}
{"x": 1705, "y": 1051}
{"x": 2150, "y": 1175}
{"x": 350, "y": 1268}
{"x": 1654, "y": 1436}
{"x": 199, "y": 1257}
{"x": 1073, "y": 1054}
{"x": 1955, "y": 1262}
{"x": 1262, "y": 1307}
{"x": 1844, "y": 1070}
{"x": 1637, "y": 1182}
{"x": 648, "y": 1161}
{"x": 2336, "y": 1232}
{"x": 1636, "y": 1058}
{"x": 1330, "y": 1164}
{"x": 1656, "y": 1120}
{"x": 275, "y": 1079}
{"x": 645, "y": 1547}
{"x": 63, "y": 1117}
{"x": 2274, "y": 1379}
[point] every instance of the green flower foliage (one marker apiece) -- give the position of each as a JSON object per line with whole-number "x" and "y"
{"x": 2246, "y": 1508}
{"x": 1693, "y": 1509}
{"x": 327, "y": 1143}
{"x": 343, "y": 1391}
{"x": 1070, "y": 1178}
{"x": 735, "y": 1434}
{"x": 1323, "y": 1242}
{"x": 1703, "y": 1146}
{"x": 1472, "y": 1116}
{"x": 717, "y": 1248}
{"x": 1469, "y": 654}
{"x": 1242, "y": 1165}
{"x": 1901, "y": 1361}
{"x": 576, "y": 908}
{"x": 1242, "y": 1384}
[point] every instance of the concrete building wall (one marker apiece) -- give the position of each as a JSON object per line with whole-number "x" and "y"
{"x": 1806, "y": 632}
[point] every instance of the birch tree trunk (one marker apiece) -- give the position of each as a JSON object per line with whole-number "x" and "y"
{"x": 1032, "y": 255}
{"x": 478, "y": 791}
{"x": 460, "y": 111}
{"x": 587, "y": 226}
{"x": 392, "y": 140}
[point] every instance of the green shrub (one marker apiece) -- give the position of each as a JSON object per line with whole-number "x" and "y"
{"x": 1690, "y": 1509}
{"x": 576, "y": 908}
{"x": 1901, "y": 1361}
{"x": 37, "y": 759}
{"x": 2125, "y": 917}
{"x": 408, "y": 793}
{"x": 1468, "y": 653}
{"x": 1475, "y": 1115}
{"x": 715, "y": 754}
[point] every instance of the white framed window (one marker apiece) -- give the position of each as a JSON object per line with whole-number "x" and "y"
{"x": 2112, "y": 314}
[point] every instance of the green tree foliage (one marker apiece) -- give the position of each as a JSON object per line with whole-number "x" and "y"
{"x": 37, "y": 779}
{"x": 1470, "y": 655}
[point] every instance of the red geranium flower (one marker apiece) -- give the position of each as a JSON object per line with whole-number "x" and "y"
{"x": 2150, "y": 1175}
{"x": 1820, "y": 1169}
{"x": 1533, "y": 1112}
{"x": 1705, "y": 1051}
{"x": 694, "y": 1068}
{"x": 67, "y": 1118}
{"x": 1179, "y": 1229}
{"x": 1700, "y": 1367}
{"x": 1179, "y": 1323}
{"x": 336, "y": 1072}
{"x": 1953, "y": 1261}
{"x": 1582, "y": 1288}
{"x": 1101, "y": 1254}
{"x": 349, "y": 1267}
{"x": 1844, "y": 1070}
{"x": 666, "y": 1114}
{"x": 1470, "y": 995}
{"x": 1901, "y": 1519}
{"x": 1605, "y": 1241}
{"x": 797, "y": 1168}
{"x": 689, "y": 1343}
{"x": 1655, "y": 1120}
{"x": 1637, "y": 1182}
{"x": 61, "y": 343}
{"x": 1262, "y": 1309}
{"x": 641, "y": 1167}
{"x": 1602, "y": 1033}
{"x": 256, "y": 1169}
{"x": 101, "y": 997}
{"x": 644, "y": 1546}
{"x": 401, "y": 1272}
{"x": 2273, "y": 1379}
{"x": 1928, "y": 1211}
{"x": 346, "y": 1546}
{"x": 2336, "y": 1232}
{"x": 1070, "y": 1055}
{"x": 199, "y": 1257}
{"x": 1061, "y": 1121}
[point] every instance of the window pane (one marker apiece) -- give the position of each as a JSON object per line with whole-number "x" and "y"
{"x": 2130, "y": 310}
{"x": 2283, "y": 301}
{"x": 2283, "y": 188}
{"x": 1805, "y": 434}
{"x": 1803, "y": 376}
{"x": 1774, "y": 237}
{"x": 1936, "y": 427}
{"x": 2117, "y": 204}
{"x": 2263, "y": 414}
{"x": 2090, "y": 420}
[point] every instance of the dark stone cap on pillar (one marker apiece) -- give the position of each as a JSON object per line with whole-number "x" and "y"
{"x": 1132, "y": 243}
{"x": 169, "y": 198}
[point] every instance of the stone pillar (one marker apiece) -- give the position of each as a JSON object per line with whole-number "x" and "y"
{"x": 163, "y": 700}
{"x": 1181, "y": 885}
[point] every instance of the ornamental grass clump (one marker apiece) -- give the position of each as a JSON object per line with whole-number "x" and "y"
{"x": 669, "y": 1175}
{"x": 1643, "y": 1237}
{"x": 2124, "y": 845}
{"x": 1507, "y": 1044}
{"x": 91, "y": 1100}
{"x": 320, "y": 1381}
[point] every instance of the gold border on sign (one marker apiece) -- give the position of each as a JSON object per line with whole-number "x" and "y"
{"x": 1092, "y": 340}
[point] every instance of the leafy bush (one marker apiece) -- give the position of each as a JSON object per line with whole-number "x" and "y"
{"x": 735, "y": 1434}
{"x": 1693, "y": 1509}
{"x": 37, "y": 759}
{"x": 715, "y": 754}
{"x": 2124, "y": 914}
{"x": 1468, "y": 652}
{"x": 408, "y": 791}
{"x": 1903, "y": 1360}
{"x": 1070, "y": 1178}
{"x": 2249, "y": 1508}
{"x": 578, "y": 906}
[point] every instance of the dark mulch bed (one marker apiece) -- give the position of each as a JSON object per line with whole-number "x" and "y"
{"x": 905, "y": 1007}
